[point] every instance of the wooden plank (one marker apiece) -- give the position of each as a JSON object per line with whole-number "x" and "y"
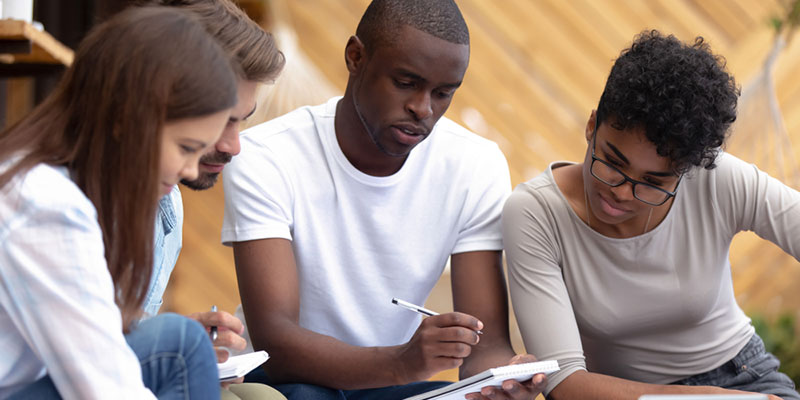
{"x": 679, "y": 12}
{"x": 45, "y": 48}
{"x": 536, "y": 70}
{"x": 722, "y": 14}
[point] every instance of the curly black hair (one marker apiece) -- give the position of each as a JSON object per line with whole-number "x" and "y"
{"x": 682, "y": 95}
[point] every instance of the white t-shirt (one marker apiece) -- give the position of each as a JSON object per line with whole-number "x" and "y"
{"x": 657, "y": 307}
{"x": 57, "y": 309}
{"x": 360, "y": 240}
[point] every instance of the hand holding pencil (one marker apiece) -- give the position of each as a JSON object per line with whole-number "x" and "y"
{"x": 441, "y": 342}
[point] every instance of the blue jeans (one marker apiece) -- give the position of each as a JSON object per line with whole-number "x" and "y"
{"x": 178, "y": 361}
{"x": 302, "y": 391}
{"x": 752, "y": 370}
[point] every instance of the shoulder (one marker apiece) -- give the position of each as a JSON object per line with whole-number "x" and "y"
{"x": 729, "y": 165}
{"x": 293, "y": 126}
{"x": 535, "y": 195}
{"x": 729, "y": 172}
{"x": 46, "y": 190}
{"x": 460, "y": 145}
{"x": 449, "y": 131}
{"x": 543, "y": 184}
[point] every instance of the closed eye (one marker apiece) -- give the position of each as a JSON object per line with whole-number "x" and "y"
{"x": 188, "y": 149}
{"x": 654, "y": 182}
{"x": 403, "y": 84}
{"x": 445, "y": 94}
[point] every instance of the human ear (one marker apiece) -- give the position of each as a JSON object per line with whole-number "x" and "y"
{"x": 590, "y": 125}
{"x": 354, "y": 54}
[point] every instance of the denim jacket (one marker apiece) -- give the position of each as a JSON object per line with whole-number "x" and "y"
{"x": 167, "y": 246}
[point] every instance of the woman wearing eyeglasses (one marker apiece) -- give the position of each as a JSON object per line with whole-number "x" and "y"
{"x": 618, "y": 266}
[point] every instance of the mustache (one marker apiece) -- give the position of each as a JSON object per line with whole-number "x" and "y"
{"x": 217, "y": 157}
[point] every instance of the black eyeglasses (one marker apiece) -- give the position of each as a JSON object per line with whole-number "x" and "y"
{"x": 612, "y": 176}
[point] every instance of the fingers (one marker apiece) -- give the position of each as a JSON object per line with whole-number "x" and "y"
{"x": 455, "y": 319}
{"x": 441, "y": 342}
{"x": 221, "y": 319}
{"x": 522, "y": 359}
{"x": 222, "y": 354}
{"x": 229, "y": 329}
{"x": 227, "y": 384}
{"x": 231, "y": 340}
{"x": 510, "y": 390}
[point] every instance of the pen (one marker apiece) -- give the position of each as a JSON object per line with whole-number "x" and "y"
{"x": 213, "y": 328}
{"x": 421, "y": 310}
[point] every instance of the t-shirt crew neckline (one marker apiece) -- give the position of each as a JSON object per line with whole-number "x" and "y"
{"x": 574, "y": 216}
{"x": 333, "y": 149}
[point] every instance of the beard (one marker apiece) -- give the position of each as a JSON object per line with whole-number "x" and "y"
{"x": 205, "y": 180}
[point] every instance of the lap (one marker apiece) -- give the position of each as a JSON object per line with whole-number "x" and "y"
{"x": 251, "y": 391}
{"x": 752, "y": 370}
{"x": 303, "y": 391}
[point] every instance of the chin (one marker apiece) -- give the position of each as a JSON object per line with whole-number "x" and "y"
{"x": 203, "y": 182}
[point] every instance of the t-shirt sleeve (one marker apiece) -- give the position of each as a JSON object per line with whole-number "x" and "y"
{"x": 258, "y": 196}
{"x": 750, "y": 199}
{"x": 538, "y": 293}
{"x": 489, "y": 187}
{"x": 57, "y": 291}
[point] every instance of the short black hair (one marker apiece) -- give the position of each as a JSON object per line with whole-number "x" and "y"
{"x": 380, "y": 22}
{"x": 681, "y": 94}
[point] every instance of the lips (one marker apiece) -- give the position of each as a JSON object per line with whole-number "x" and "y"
{"x": 611, "y": 208}
{"x": 409, "y": 134}
{"x": 212, "y": 168}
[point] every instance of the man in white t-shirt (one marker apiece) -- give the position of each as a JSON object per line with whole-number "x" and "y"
{"x": 331, "y": 215}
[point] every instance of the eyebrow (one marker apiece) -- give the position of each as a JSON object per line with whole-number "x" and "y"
{"x": 625, "y": 160}
{"x": 234, "y": 119}
{"x": 414, "y": 76}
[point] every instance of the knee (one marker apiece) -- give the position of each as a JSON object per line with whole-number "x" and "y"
{"x": 181, "y": 334}
{"x": 192, "y": 333}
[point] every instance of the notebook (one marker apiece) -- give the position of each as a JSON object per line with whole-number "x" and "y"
{"x": 704, "y": 397}
{"x": 490, "y": 377}
{"x": 238, "y": 366}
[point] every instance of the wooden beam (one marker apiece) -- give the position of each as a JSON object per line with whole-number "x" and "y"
{"x": 43, "y": 48}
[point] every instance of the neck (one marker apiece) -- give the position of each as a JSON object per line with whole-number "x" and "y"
{"x": 356, "y": 142}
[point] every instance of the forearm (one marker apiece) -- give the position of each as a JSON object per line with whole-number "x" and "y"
{"x": 479, "y": 290}
{"x": 300, "y": 355}
{"x": 590, "y": 386}
{"x": 486, "y": 354}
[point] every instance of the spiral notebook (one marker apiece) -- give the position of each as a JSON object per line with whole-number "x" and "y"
{"x": 238, "y": 366}
{"x": 490, "y": 377}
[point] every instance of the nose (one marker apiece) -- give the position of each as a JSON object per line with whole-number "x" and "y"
{"x": 623, "y": 192}
{"x": 229, "y": 141}
{"x": 190, "y": 170}
{"x": 419, "y": 105}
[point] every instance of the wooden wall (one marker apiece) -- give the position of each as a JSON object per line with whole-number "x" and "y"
{"x": 537, "y": 69}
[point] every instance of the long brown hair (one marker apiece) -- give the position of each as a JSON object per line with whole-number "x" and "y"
{"x": 131, "y": 74}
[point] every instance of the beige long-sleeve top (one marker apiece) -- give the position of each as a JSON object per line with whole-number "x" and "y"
{"x": 657, "y": 307}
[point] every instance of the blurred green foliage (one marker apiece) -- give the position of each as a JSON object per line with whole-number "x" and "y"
{"x": 781, "y": 339}
{"x": 790, "y": 19}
